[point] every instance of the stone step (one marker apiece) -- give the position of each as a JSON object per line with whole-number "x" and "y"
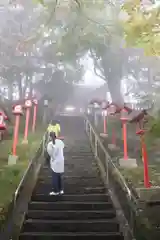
{"x": 79, "y": 173}
{"x": 80, "y": 168}
{"x": 77, "y": 165}
{"x": 41, "y": 225}
{"x": 71, "y": 184}
{"x": 79, "y": 176}
{"x": 80, "y": 165}
{"x": 66, "y": 215}
{"x": 75, "y": 171}
{"x": 68, "y": 178}
{"x": 79, "y": 155}
{"x": 70, "y": 235}
{"x": 68, "y": 190}
{"x": 85, "y": 210}
{"x": 69, "y": 205}
{"x": 76, "y": 198}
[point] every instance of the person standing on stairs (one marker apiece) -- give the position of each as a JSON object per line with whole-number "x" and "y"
{"x": 55, "y": 150}
{"x": 54, "y": 126}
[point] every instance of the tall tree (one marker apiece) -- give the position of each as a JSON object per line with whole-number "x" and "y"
{"x": 89, "y": 26}
{"x": 141, "y": 22}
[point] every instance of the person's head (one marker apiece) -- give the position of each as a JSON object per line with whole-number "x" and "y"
{"x": 53, "y": 137}
{"x": 53, "y": 122}
{"x": 57, "y": 121}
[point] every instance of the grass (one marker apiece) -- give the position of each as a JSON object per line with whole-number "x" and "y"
{"x": 135, "y": 176}
{"x": 10, "y": 176}
{"x": 152, "y": 140}
{"x": 146, "y": 225}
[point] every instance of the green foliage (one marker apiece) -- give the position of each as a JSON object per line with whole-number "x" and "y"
{"x": 82, "y": 25}
{"x": 142, "y": 27}
{"x": 39, "y": 1}
{"x": 10, "y": 176}
{"x": 154, "y": 126}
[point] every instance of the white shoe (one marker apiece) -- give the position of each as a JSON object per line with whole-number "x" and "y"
{"x": 61, "y": 192}
{"x": 53, "y": 194}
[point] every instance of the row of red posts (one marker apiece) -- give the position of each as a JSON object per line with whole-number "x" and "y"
{"x": 18, "y": 112}
{"x": 112, "y": 109}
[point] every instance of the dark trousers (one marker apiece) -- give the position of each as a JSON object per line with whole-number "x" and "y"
{"x": 57, "y": 182}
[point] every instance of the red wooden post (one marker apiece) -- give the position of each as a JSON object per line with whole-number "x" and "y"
{"x": 5, "y": 116}
{"x": 112, "y": 111}
{"x": 27, "y": 124}
{"x": 125, "y": 140}
{"x": 17, "y": 111}
{"x": 104, "y": 105}
{"x": 145, "y": 158}
{"x": 124, "y": 118}
{"x": 104, "y": 125}
{"x": 2, "y": 124}
{"x": 145, "y": 161}
{"x": 105, "y": 121}
{"x": 34, "y": 114}
{"x": 15, "y": 138}
{"x": 28, "y": 105}
{"x": 113, "y": 129}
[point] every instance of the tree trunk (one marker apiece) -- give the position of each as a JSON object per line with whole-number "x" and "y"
{"x": 20, "y": 88}
{"x": 114, "y": 86}
{"x": 45, "y": 116}
{"x": 112, "y": 65}
{"x": 10, "y": 92}
{"x": 30, "y": 87}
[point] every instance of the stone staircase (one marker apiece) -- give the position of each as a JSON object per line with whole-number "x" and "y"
{"x": 84, "y": 210}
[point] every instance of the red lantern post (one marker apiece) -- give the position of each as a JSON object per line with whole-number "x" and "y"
{"x": 17, "y": 111}
{"x": 112, "y": 111}
{"x": 105, "y": 122}
{"x": 126, "y": 162}
{"x": 35, "y": 102}
{"x": 141, "y": 133}
{"x": 124, "y": 119}
{"x": 2, "y": 125}
{"x": 104, "y": 111}
{"x": 5, "y": 116}
{"x": 28, "y": 105}
{"x": 96, "y": 107}
{"x": 104, "y": 106}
